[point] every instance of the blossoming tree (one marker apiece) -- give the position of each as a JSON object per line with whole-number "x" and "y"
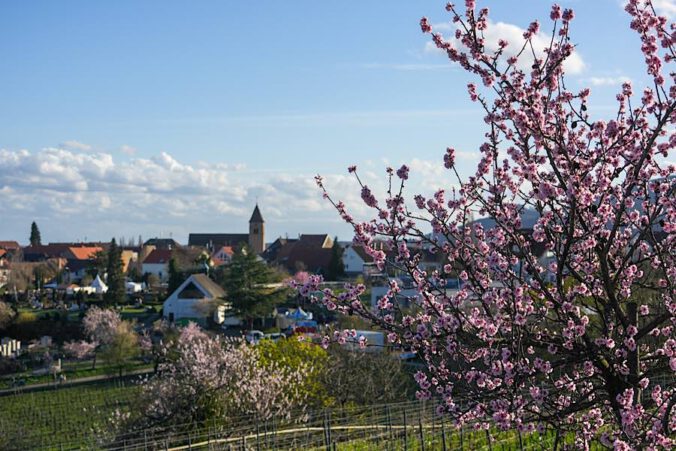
{"x": 584, "y": 341}
{"x": 204, "y": 379}
{"x": 106, "y": 333}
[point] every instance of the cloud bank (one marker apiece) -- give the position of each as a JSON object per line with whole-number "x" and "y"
{"x": 74, "y": 195}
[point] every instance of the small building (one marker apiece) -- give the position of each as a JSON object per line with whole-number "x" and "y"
{"x": 310, "y": 253}
{"x": 222, "y": 256}
{"x": 356, "y": 260}
{"x": 194, "y": 300}
{"x": 157, "y": 262}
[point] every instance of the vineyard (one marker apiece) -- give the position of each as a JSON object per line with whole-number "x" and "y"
{"x": 79, "y": 417}
{"x": 42, "y": 419}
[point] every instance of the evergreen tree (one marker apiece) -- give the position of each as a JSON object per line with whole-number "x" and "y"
{"x": 35, "y": 238}
{"x": 175, "y": 276}
{"x": 246, "y": 281}
{"x": 116, "y": 289}
{"x": 336, "y": 267}
{"x": 98, "y": 264}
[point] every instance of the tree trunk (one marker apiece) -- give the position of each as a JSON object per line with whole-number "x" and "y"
{"x": 634, "y": 357}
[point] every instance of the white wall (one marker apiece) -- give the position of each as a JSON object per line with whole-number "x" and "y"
{"x": 161, "y": 270}
{"x": 352, "y": 261}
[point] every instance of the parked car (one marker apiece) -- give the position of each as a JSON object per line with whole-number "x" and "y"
{"x": 254, "y": 336}
{"x": 274, "y": 337}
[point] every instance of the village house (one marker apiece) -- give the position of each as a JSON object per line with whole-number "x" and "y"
{"x": 157, "y": 263}
{"x": 194, "y": 300}
{"x": 356, "y": 261}
{"x": 309, "y": 252}
{"x": 222, "y": 256}
{"x": 162, "y": 243}
{"x": 79, "y": 259}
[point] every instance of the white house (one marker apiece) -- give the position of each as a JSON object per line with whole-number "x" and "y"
{"x": 193, "y": 301}
{"x": 157, "y": 262}
{"x": 356, "y": 260}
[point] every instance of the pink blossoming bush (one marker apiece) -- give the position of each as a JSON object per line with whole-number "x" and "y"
{"x": 100, "y": 324}
{"x": 204, "y": 379}
{"x": 583, "y": 340}
{"x": 79, "y": 349}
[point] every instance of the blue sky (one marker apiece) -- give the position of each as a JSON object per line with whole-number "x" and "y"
{"x": 157, "y": 117}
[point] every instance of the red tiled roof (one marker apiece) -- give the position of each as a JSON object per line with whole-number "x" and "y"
{"x": 227, "y": 250}
{"x": 2, "y": 252}
{"x": 84, "y": 253}
{"x": 9, "y": 245}
{"x": 158, "y": 256}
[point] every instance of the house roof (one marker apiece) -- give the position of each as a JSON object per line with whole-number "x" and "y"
{"x": 158, "y": 256}
{"x": 212, "y": 288}
{"x": 359, "y": 250}
{"x": 271, "y": 251}
{"x": 9, "y": 245}
{"x": 322, "y": 240}
{"x": 256, "y": 216}
{"x": 42, "y": 252}
{"x": 2, "y": 252}
{"x": 84, "y": 253}
{"x": 101, "y": 244}
{"x": 162, "y": 243}
{"x": 315, "y": 259}
{"x": 227, "y": 250}
{"x": 216, "y": 240}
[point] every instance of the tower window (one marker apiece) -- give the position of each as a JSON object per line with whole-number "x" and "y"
{"x": 255, "y": 230}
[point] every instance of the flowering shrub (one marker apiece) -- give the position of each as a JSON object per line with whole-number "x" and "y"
{"x": 79, "y": 349}
{"x": 100, "y": 324}
{"x": 583, "y": 340}
{"x": 206, "y": 379}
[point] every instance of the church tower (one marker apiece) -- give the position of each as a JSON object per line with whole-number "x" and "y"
{"x": 257, "y": 231}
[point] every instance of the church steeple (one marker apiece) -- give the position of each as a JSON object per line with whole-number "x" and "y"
{"x": 256, "y": 216}
{"x": 257, "y": 231}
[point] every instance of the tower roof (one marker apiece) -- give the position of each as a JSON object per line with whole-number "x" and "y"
{"x": 256, "y": 216}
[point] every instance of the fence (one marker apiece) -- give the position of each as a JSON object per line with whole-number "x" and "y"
{"x": 402, "y": 426}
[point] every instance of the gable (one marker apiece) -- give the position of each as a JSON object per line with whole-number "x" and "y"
{"x": 190, "y": 291}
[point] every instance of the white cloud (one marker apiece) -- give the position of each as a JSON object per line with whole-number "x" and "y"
{"x": 605, "y": 81}
{"x": 665, "y": 8}
{"x": 73, "y": 194}
{"x": 514, "y": 35}
{"x": 128, "y": 150}
{"x": 75, "y": 145}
